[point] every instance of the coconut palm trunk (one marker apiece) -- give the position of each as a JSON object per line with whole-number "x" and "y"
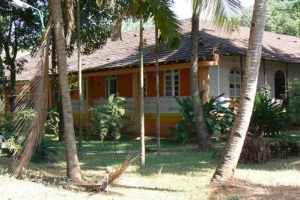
{"x": 227, "y": 166}
{"x": 80, "y": 94}
{"x": 157, "y": 91}
{"x": 201, "y": 127}
{"x": 142, "y": 114}
{"x": 73, "y": 168}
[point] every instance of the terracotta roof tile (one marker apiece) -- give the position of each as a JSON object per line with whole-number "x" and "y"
{"x": 125, "y": 53}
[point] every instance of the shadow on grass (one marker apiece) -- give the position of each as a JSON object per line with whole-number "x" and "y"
{"x": 174, "y": 158}
{"x": 242, "y": 190}
{"x": 275, "y": 165}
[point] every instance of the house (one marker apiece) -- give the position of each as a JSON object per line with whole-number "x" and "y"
{"x": 115, "y": 69}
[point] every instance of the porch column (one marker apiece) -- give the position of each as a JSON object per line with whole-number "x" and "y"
{"x": 136, "y": 96}
{"x": 204, "y": 82}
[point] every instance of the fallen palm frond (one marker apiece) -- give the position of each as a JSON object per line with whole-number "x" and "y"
{"x": 111, "y": 176}
{"x": 32, "y": 96}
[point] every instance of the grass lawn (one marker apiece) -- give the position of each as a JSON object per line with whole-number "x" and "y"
{"x": 180, "y": 172}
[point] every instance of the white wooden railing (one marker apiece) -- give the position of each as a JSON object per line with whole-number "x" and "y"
{"x": 166, "y": 104}
{"x": 75, "y": 105}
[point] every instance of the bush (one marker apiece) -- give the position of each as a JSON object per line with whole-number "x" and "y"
{"x": 261, "y": 150}
{"x": 45, "y": 152}
{"x": 219, "y": 118}
{"x": 256, "y": 150}
{"x": 12, "y": 142}
{"x": 52, "y": 122}
{"x": 293, "y": 94}
{"x": 268, "y": 117}
{"x": 106, "y": 121}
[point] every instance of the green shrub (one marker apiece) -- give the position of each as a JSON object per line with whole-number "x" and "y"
{"x": 293, "y": 94}
{"x": 219, "y": 118}
{"x": 45, "y": 151}
{"x": 13, "y": 141}
{"x": 256, "y": 150}
{"x": 268, "y": 117}
{"x": 52, "y": 122}
{"x": 261, "y": 150}
{"x": 284, "y": 146}
{"x": 106, "y": 121}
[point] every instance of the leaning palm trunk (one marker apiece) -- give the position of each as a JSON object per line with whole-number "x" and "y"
{"x": 37, "y": 88}
{"x": 225, "y": 169}
{"x": 201, "y": 128}
{"x": 142, "y": 115}
{"x": 73, "y": 169}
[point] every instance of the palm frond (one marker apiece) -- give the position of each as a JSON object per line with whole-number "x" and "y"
{"x": 33, "y": 96}
{"x": 224, "y": 13}
{"x": 166, "y": 21}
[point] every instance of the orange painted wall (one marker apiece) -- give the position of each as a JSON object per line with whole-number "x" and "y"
{"x": 185, "y": 83}
{"x": 151, "y": 86}
{"x": 97, "y": 87}
{"x": 161, "y": 83}
{"x": 74, "y": 94}
{"x": 150, "y": 128}
{"x": 125, "y": 85}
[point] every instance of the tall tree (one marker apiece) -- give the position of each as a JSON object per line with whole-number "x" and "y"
{"x": 73, "y": 168}
{"x": 224, "y": 14}
{"x": 168, "y": 26}
{"x": 283, "y": 17}
{"x": 227, "y": 166}
{"x": 20, "y": 30}
{"x": 2, "y": 78}
{"x": 80, "y": 94}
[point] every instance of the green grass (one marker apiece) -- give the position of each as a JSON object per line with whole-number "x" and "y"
{"x": 179, "y": 172}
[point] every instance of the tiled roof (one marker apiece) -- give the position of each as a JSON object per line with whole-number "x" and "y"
{"x": 125, "y": 53}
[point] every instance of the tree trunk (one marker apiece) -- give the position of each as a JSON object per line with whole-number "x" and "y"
{"x": 73, "y": 168}
{"x": 1, "y": 79}
{"x": 157, "y": 91}
{"x": 12, "y": 85}
{"x": 142, "y": 115}
{"x": 57, "y": 103}
{"x": 226, "y": 168}
{"x": 201, "y": 128}
{"x": 79, "y": 77}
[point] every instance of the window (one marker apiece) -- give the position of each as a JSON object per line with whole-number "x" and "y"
{"x": 279, "y": 85}
{"x": 111, "y": 85}
{"x": 172, "y": 83}
{"x": 235, "y": 83}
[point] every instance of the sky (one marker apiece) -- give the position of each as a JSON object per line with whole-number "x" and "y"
{"x": 183, "y": 7}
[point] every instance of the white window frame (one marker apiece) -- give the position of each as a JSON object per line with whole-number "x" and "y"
{"x": 108, "y": 85}
{"x": 236, "y": 77}
{"x": 172, "y": 73}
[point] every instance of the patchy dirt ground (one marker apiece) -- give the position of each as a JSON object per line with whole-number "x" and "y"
{"x": 243, "y": 190}
{"x": 13, "y": 189}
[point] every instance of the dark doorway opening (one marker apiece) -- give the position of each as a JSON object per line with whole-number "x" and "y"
{"x": 279, "y": 85}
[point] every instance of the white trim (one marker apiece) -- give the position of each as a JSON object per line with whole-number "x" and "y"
{"x": 172, "y": 73}
{"x": 236, "y": 78}
{"x": 107, "y": 84}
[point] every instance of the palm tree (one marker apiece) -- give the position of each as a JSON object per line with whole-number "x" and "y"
{"x": 223, "y": 13}
{"x": 167, "y": 23}
{"x": 225, "y": 169}
{"x": 73, "y": 168}
{"x": 80, "y": 94}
